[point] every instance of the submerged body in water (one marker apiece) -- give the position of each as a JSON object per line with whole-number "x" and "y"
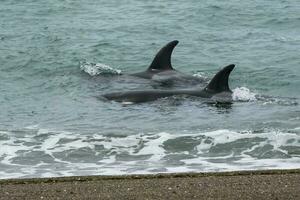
{"x": 217, "y": 87}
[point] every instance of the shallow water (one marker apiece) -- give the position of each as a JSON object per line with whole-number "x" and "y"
{"x": 52, "y": 122}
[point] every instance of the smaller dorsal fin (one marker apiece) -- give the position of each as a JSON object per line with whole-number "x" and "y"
{"x": 162, "y": 60}
{"x": 219, "y": 83}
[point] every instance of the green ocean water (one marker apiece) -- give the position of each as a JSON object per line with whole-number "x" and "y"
{"x": 52, "y": 122}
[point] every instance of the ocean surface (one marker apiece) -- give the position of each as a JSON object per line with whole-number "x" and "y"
{"x": 57, "y": 57}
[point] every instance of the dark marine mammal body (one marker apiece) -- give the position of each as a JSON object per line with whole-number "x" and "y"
{"x": 161, "y": 69}
{"x": 218, "y": 87}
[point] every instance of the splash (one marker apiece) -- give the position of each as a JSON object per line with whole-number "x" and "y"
{"x": 95, "y": 69}
{"x": 283, "y": 101}
{"x": 200, "y": 75}
{"x": 243, "y": 94}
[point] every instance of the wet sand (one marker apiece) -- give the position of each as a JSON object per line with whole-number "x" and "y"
{"x": 269, "y": 184}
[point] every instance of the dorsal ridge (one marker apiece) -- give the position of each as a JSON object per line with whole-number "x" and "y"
{"x": 162, "y": 60}
{"x": 219, "y": 82}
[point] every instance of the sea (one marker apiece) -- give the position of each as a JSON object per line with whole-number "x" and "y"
{"x": 58, "y": 57}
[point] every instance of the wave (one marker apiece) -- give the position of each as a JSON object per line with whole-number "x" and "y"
{"x": 45, "y": 153}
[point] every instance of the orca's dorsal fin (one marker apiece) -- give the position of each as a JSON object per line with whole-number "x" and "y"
{"x": 219, "y": 82}
{"x": 162, "y": 60}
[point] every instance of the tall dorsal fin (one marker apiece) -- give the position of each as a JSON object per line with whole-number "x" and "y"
{"x": 219, "y": 83}
{"x": 162, "y": 60}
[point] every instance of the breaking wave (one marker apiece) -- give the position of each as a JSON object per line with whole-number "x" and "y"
{"x": 47, "y": 153}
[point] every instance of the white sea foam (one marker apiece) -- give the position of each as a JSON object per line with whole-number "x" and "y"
{"x": 200, "y": 75}
{"x": 243, "y": 94}
{"x": 87, "y": 154}
{"x": 125, "y": 103}
{"x": 94, "y": 69}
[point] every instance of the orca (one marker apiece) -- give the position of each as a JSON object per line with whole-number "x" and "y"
{"x": 217, "y": 90}
{"x": 161, "y": 69}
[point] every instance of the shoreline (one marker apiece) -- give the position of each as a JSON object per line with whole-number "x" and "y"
{"x": 267, "y": 184}
{"x": 148, "y": 176}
